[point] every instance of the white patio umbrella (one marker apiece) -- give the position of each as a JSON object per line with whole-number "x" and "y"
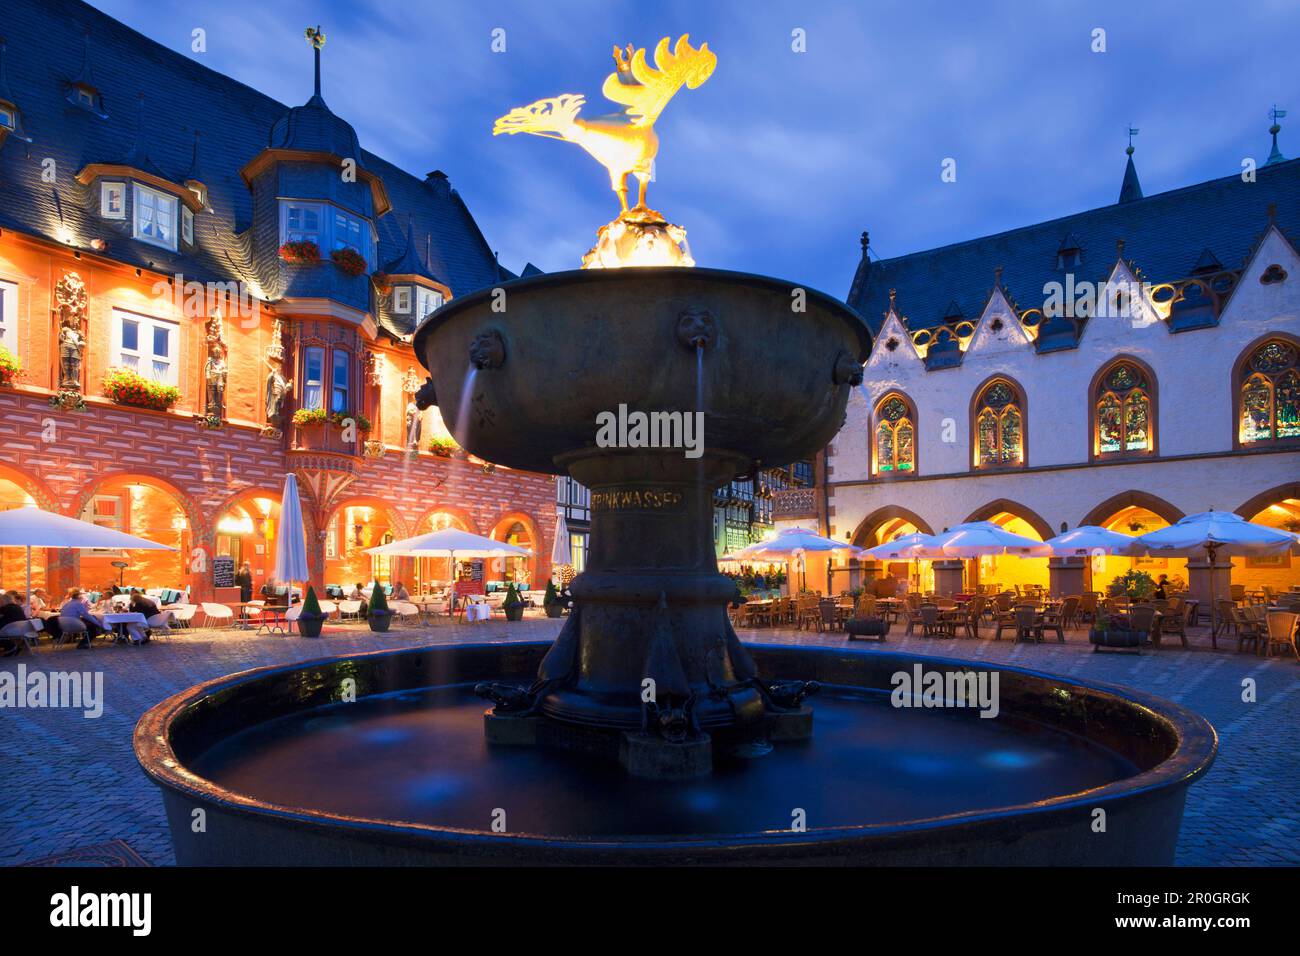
{"x": 1089, "y": 539}
{"x": 450, "y": 543}
{"x": 792, "y": 543}
{"x": 30, "y": 527}
{"x": 561, "y": 552}
{"x": 974, "y": 539}
{"x": 908, "y": 547}
{"x": 1214, "y": 533}
{"x": 290, "y": 539}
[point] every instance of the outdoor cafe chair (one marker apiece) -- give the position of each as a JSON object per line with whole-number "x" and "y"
{"x": 25, "y": 631}
{"x": 406, "y": 610}
{"x": 1142, "y": 619}
{"x": 71, "y": 629}
{"x": 1027, "y": 624}
{"x": 971, "y": 616}
{"x": 1282, "y": 631}
{"x": 1173, "y": 622}
{"x": 1053, "y": 621}
{"x": 349, "y": 609}
{"x": 182, "y": 614}
{"x": 216, "y": 615}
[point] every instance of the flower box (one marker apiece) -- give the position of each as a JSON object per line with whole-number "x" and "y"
{"x": 349, "y": 262}
{"x": 305, "y": 252}
{"x": 305, "y": 417}
{"x": 10, "y": 367}
{"x": 124, "y": 386}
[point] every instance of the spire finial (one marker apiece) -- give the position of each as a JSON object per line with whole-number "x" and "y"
{"x": 893, "y": 294}
{"x": 1130, "y": 189}
{"x": 1275, "y": 156}
{"x": 1119, "y": 247}
{"x": 317, "y": 40}
{"x": 866, "y": 241}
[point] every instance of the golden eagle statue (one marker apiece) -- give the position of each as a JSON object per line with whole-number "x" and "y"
{"x": 624, "y": 143}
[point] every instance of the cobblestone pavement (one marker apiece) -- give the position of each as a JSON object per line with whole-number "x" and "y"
{"x": 70, "y": 782}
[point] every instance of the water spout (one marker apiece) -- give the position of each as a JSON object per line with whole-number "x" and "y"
{"x": 461, "y": 432}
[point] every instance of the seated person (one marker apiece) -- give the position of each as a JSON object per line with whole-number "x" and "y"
{"x": 40, "y": 603}
{"x": 357, "y": 594}
{"x": 141, "y": 603}
{"x": 76, "y": 606}
{"x": 11, "y": 612}
{"x": 400, "y": 593}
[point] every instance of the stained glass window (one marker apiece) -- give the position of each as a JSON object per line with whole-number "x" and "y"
{"x": 999, "y": 427}
{"x": 1123, "y": 411}
{"x": 1270, "y": 394}
{"x": 895, "y": 437}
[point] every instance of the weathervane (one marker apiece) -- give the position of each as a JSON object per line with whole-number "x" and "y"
{"x": 316, "y": 38}
{"x": 625, "y": 144}
{"x": 1132, "y": 131}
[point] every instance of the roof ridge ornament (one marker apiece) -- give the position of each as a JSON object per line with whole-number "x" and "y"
{"x": 1275, "y": 156}
{"x": 82, "y": 90}
{"x": 316, "y": 37}
{"x": 1130, "y": 189}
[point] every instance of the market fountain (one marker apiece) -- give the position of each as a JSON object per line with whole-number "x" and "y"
{"x": 647, "y": 732}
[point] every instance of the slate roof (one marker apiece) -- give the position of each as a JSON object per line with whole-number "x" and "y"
{"x": 45, "y": 44}
{"x": 1166, "y": 236}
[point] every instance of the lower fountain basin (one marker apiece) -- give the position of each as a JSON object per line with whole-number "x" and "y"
{"x": 286, "y": 771}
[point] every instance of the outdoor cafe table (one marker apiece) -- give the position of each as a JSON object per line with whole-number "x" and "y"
{"x": 273, "y": 619}
{"x": 119, "y": 622}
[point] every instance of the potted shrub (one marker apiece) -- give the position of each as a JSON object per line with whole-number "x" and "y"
{"x": 1135, "y": 585}
{"x": 1113, "y": 630}
{"x": 9, "y": 366}
{"x": 377, "y": 613}
{"x": 513, "y": 605}
{"x": 310, "y": 618}
{"x": 552, "y": 604}
{"x": 305, "y": 252}
{"x": 349, "y": 262}
{"x": 125, "y": 386}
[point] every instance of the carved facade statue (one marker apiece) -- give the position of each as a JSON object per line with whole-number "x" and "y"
{"x": 414, "y": 426}
{"x": 70, "y": 294}
{"x": 277, "y": 386}
{"x": 214, "y": 371}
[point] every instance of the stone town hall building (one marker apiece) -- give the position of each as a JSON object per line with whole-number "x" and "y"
{"x": 1173, "y": 388}
{"x": 171, "y": 238}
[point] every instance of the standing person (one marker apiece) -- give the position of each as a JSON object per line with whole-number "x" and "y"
{"x": 77, "y": 607}
{"x": 1162, "y": 588}
{"x": 244, "y": 580}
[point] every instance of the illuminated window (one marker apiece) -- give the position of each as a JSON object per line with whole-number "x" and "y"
{"x": 426, "y": 300}
{"x": 895, "y": 437}
{"x": 341, "y": 382}
{"x": 328, "y": 226}
{"x": 9, "y": 316}
{"x": 112, "y": 200}
{"x": 1123, "y": 406}
{"x": 187, "y": 225}
{"x": 402, "y": 298}
{"x": 999, "y": 426}
{"x": 313, "y": 392}
{"x": 1270, "y": 394}
{"x": 155, "y": 217}
{"x": 145, "y": 345}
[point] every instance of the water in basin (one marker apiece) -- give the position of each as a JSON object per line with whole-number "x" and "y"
{"x": 420, "y": 757}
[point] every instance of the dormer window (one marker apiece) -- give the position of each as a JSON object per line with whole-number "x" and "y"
{"x": 187, "y": 225}
{"x": 155, "y": 217}
{"x": 402, "y": 298}
{"x": 7, "y": 118}
{"x": 88, "y": 98}
{"x": 426, "y": 301}
{"x": 112, "y": 200}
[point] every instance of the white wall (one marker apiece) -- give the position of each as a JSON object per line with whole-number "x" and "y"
{"x": 1194, "y": 409}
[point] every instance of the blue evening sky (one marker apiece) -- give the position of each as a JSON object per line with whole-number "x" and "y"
{"x": 781, "y": 159}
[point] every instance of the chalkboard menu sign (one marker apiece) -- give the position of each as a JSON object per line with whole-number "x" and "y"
{"x": 223, "y": 571}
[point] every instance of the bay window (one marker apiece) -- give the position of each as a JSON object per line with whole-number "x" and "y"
{"x": 313, "y": 378}
{"x": 342, "y": 380}
{"x": 328, "y": 226}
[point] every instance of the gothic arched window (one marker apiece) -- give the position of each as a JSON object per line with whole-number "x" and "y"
{"x": 895, "y": 437}
{"x": 999, "y": 426}
{"x": 1270, "y": 393}
{"x": 1123, "y": 411}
